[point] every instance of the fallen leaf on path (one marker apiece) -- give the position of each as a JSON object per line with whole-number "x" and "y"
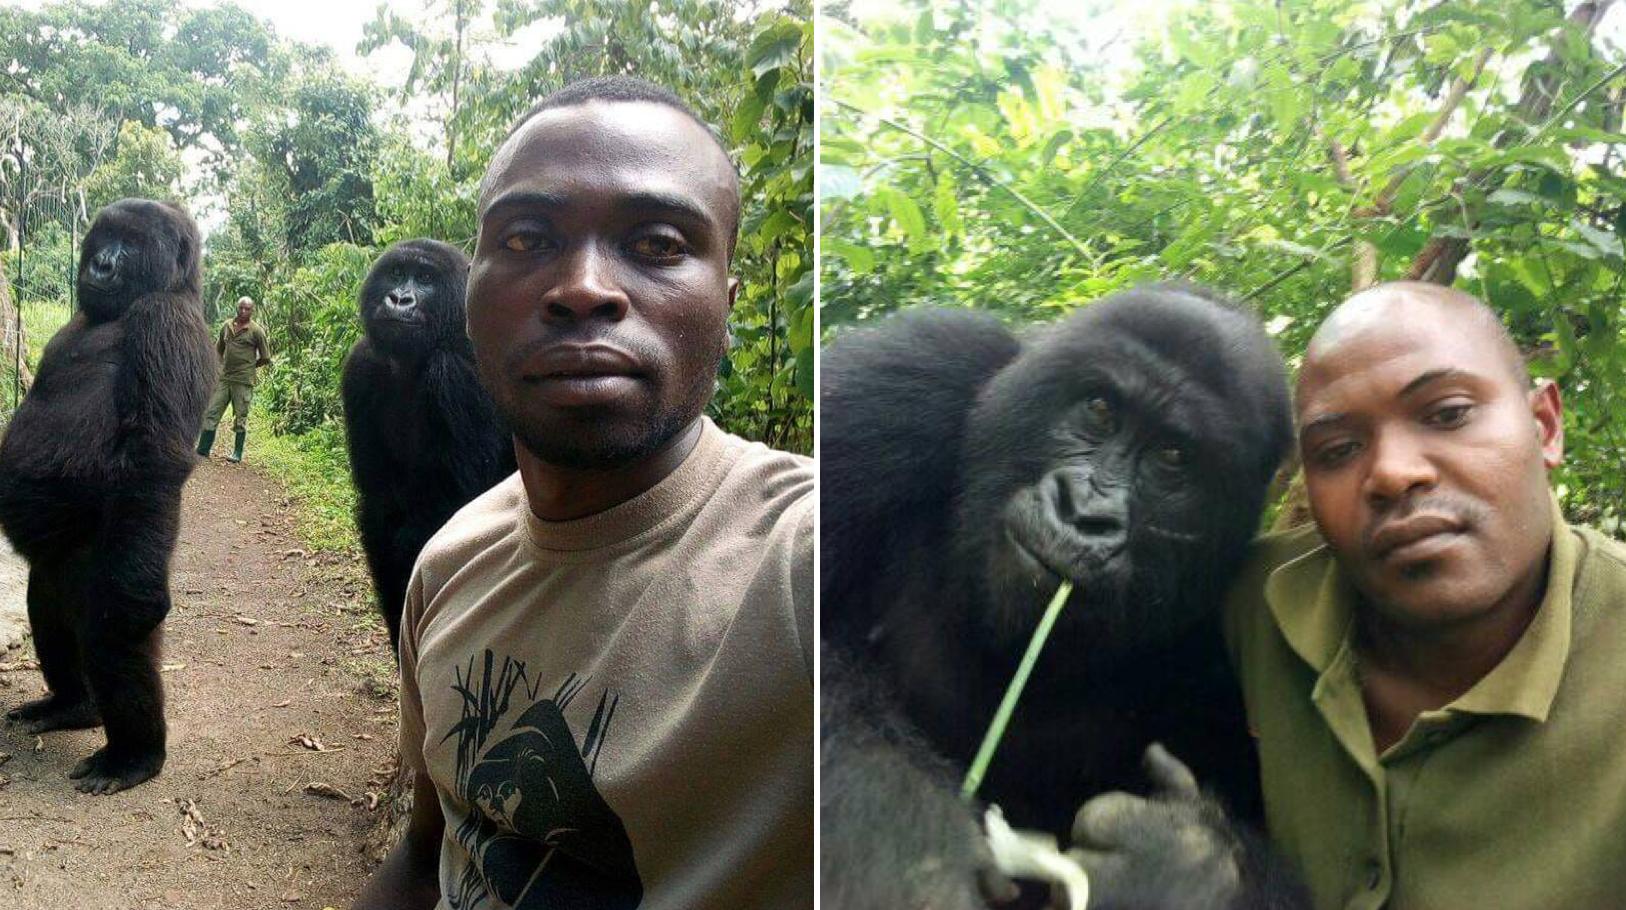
{"x": 282, "y": 704}
{"x": 308, "y": 741}
{"x": 318, "y": 788}
{"x": 170, "y": 668}
{"x": 196, "y": 831}
{"x": 248, "y": 621}
{"x": 291, "y": 897}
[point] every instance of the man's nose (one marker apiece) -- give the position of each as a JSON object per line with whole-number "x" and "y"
{"x": 1400, "y": 466}
{"x": 586, "y": 287}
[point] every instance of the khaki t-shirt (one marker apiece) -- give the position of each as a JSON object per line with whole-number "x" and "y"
{"x": 617, "y": 711}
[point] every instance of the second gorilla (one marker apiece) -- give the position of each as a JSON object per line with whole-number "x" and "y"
{"x": 424, "y": 437}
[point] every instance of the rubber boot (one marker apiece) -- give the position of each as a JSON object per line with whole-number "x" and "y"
{"x": 206, "y": 442}
{"x": 237, "y": 453}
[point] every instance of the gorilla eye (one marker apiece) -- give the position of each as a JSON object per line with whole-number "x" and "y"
{"x": 1173, "y": 456}
{"x": 1100, "y": 415}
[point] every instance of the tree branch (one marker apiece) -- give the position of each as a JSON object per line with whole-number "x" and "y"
{"x": 975, "y": 168}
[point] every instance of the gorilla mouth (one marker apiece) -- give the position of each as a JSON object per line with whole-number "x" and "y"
{"x": 1080, "y": 567}
{"x": 384, "y": 316}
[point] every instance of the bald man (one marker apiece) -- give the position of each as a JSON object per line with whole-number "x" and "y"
{"x": 1436, "y": 670}
{"x": 243, "y": 348}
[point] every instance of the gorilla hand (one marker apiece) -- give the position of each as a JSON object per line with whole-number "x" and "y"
{"x": 1174, "y": 850}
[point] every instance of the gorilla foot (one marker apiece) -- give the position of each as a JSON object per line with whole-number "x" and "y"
{"x": 55, "y": 713}
{"x": 103, "y": 773}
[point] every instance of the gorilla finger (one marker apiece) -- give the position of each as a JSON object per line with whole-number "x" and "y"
{"x": 1105, "y": 819}
{"x": 1169, "y": 774}
{"x": 996, "y": 887}
{"x": 1104, "y": 867}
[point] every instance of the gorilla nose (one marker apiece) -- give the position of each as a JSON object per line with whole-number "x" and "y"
{"x": 1097, "y": 514}
{"x": 400, "y": 300}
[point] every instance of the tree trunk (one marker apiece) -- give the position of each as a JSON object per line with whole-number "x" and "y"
{"x": 13, "y": 343}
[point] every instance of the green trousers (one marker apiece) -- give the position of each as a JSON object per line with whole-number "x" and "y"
{"x": 239, "y": 394}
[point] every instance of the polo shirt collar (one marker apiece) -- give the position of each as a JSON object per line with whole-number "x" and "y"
{"x": 1313, "y": 605}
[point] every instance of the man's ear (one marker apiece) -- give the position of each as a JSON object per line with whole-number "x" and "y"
{"x": 1547, "y": 407}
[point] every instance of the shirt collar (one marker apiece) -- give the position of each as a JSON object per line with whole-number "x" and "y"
{"x": 1313, "y": 604}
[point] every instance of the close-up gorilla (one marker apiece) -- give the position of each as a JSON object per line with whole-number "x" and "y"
{"x": 91, "y": 471}
{"x": 966, "y": 473}
{"x": 424, "y": 436}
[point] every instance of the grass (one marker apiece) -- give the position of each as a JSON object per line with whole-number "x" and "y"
{"x": 315, "y": 469}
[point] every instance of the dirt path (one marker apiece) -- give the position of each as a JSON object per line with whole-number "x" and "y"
{"x": 264, "y": 645}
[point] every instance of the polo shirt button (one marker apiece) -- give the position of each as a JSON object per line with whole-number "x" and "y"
{"x": 1374, "y": 874}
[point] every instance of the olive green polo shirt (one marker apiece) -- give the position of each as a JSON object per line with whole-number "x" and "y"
{"x": 240, "y": 351}
{"x": 1513, "y": 796}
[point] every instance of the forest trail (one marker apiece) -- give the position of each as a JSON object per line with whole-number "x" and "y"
{"x": 265, "y": 645}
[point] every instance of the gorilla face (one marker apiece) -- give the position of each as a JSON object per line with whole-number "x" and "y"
{"x": 136, "y": 247}
{"x": 1113, "y": 453}
{"x": 412, "y": 301}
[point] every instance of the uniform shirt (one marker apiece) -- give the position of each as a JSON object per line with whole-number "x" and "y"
{"x": 617, "y": 711}
{"x": 241, "y": 350}
{"x": 1513, "y": 796}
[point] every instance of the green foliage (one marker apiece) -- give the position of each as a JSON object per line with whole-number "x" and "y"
{"x": 315, "y": 470}
{"x": 145, "y": 164}
{"x": 994, "y": 155}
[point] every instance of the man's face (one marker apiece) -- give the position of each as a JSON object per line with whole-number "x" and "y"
{"x": 245, "y": 311}
{"x": 599, "y": 289}
{"x": 1426, "y": 463}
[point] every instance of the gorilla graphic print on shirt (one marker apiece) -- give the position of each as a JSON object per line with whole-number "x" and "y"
{"x": 538, "y": 834}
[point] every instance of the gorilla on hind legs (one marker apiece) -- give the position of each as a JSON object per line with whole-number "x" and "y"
{"x": 91, "y": 471}
{"x": 424, "y": 437}
{"x": 965, "y": 474}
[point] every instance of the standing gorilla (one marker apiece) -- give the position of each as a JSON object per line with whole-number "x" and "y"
{"x": 965, "y": 473}
{"x": 424, "y": 436}
{"x": 91, "y": 471}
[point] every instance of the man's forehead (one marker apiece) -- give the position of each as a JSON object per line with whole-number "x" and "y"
{"x": 630, "y": 147}
{"x": 1388, "y": 358}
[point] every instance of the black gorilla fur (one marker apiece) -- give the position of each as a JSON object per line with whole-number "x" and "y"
{"x": 424, "y": 436}
{"x": 1130, "y": 447}
{"x": 91, "y": 471}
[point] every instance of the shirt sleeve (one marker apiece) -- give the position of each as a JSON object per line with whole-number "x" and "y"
{"x": 264, "y": 343}
{"x": 412, "y": 723}
{"x": 801, "y": 581}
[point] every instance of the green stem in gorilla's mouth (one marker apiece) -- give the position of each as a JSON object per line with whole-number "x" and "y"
{"x": 1013, "y": 693}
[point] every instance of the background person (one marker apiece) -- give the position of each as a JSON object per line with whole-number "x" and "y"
{"x": 243, "y": 348}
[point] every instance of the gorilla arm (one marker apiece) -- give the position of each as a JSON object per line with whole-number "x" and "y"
{"x": 483, "y": 447}
{"x": 167, "y": 373}
{"x": 895, "y": 831}
{"x": 365, "y": 379}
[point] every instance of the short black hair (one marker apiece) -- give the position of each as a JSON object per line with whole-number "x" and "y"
{"x": 634, "y": 90}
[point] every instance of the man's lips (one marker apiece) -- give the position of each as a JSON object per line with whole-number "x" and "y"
{"x": 1416, "y": 536}
{"x": 578, "y": 361}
